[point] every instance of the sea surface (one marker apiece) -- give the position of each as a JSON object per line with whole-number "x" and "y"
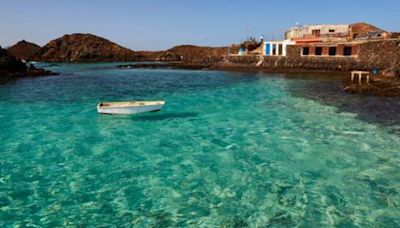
{"x": 229, "y": 149}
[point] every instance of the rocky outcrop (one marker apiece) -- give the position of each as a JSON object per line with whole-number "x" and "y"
{"x": 9, "y": 65}
{"x": 187, "y": 54}
{"x": 168, "y": 65}
{"x": 12, "y": 68}
{"x": 83, "y": 48}
{"x": 195, "y": 54}
{"x": 388, "y": 86}
{"x": 90, "y": 48}
{"x": 24, "y": 50}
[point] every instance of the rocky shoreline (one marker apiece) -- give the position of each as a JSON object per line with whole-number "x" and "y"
{"x": 386, "y": 84}
{"x": 6, "y": 76}
{"x": 11, "y": 68}
{"x": 90, "y": 48}
{"x": 166, "y": 65}
{"x": 241, "y": 68}
{"x": 387, "y": 87}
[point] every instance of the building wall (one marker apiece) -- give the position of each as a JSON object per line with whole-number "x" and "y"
{"x": 375, "y": 54}
{"x": 301, "y": 32}
{"x": 284, "y": 44}
{"x": 325, "y": 49}
{"x": 380, "y": 54}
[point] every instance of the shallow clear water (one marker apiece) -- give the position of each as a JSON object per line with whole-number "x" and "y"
{"x": 228, "y": 149}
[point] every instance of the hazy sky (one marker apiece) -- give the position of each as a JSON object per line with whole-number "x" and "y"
{"x": 161, "y": 24}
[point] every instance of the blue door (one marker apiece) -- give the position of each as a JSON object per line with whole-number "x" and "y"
{"x": 267, "y": 49}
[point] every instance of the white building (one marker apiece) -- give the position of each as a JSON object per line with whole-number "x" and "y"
{"x": 277, "y": 48}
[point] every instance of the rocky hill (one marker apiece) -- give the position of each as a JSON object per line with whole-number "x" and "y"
{"x": 362, "y": 27}
{"x": 91, "y": 48}
{"x": 194, "y": 54}
{"x": 185, "y": 54}
{"x": 24, "y": 50}
{"x": 83, "y": 48}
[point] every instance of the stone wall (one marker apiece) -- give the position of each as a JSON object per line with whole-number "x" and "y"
{"x": 380, "y": 54}
{"x": 300, "y": 32}
{"x": 375, "y": 54}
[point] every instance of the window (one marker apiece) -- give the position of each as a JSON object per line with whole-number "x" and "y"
{"x": 332, "y": 51}
{"x": 331, "y": 30}
{"x": 274, "y": 49}
{"x": 347, "y": 51}
{"x": 316, "y": 32}
{"x": 280, "y": 49}
{"x": 306, "y": 50}
{"x": 318, "y": 51}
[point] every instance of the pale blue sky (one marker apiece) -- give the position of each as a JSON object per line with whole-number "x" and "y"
{"x": 161, "y": 24}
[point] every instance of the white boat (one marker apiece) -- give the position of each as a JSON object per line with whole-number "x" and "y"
{"x": 129, "y": 107}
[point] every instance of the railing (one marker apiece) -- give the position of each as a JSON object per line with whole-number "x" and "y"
{"x": 360, "y": 76}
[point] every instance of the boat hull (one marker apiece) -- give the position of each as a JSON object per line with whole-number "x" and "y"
{"x": 129, "y": 110}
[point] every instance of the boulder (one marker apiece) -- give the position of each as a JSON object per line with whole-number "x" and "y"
{"x": 391, "y": 73}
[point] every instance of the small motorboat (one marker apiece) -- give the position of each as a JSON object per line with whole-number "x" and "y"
{"x": 129, "y": 107}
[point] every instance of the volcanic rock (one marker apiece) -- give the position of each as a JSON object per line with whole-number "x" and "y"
{"x": 83, "y": 48}
{"x": 10, "y": 65}
{"x": 13, "y": 68}
{"x": 24, "y": 50}
{"x": 194, "y": 54}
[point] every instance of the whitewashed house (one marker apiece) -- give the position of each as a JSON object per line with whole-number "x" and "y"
{"x": 277, "y": 48}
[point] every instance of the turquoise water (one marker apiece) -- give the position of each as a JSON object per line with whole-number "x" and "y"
{"x": 228, "y": 149}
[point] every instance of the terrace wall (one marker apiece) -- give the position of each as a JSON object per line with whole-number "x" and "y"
{"x": 382, "y": 54}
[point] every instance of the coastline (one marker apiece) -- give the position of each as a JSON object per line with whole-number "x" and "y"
{"x": 380, "y": 86}
{"x": 241, "y": 68}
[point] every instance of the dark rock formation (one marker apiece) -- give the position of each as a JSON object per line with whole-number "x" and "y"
{"x": 23, "y": 50}
{"x": 168, "y": 65}
{"x": 83, "y": 48}
{"x": 381, "y": 86}
{"x": 12, "y": 68}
